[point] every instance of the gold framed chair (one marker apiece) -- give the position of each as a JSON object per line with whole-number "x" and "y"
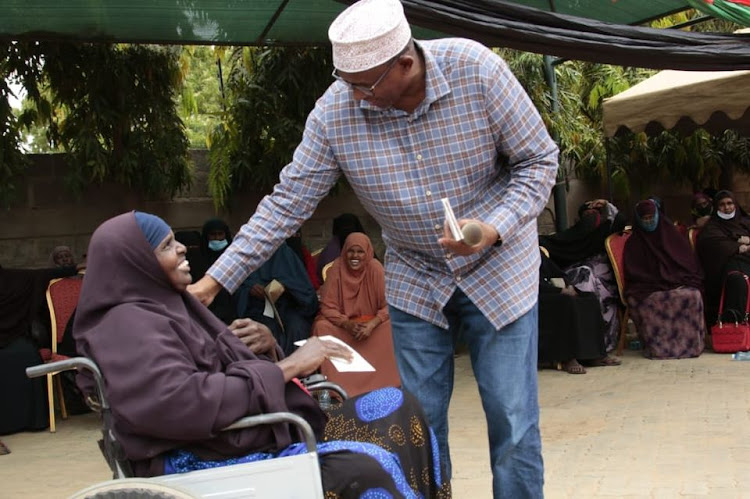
{"x": 615, "y": 246}
{"x": 62, "y": 299}
{"x": 325, "y": 269}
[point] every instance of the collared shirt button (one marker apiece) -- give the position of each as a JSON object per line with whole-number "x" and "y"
{"x": 458, "y": 278}
{"x": 429, "y": 193}
{"x": 449, "y": 256}
{"x": 438, "y": 227}
{"x": 419, "y": 157}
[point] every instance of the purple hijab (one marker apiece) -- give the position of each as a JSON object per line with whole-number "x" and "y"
{"x": 174, "y": 374}
{"x": 660, "y": 260}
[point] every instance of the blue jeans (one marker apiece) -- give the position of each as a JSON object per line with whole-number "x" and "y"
{"x": 504, "y": 363}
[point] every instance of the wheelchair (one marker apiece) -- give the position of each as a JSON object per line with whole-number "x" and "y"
{"x": 289, "y": 477}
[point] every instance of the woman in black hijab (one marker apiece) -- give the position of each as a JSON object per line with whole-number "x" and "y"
{"x": 215, "y": 238}
{"x": 723, "y": 245}
{"x": 580, "y": 252}
{"x": 24, "y": 400}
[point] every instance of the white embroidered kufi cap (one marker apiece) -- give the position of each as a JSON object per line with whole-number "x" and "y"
{"x": 368, "y": 34}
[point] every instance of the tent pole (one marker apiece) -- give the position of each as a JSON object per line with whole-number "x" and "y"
{"x": 558, "y": 191}
{"x": 609, "y": 169}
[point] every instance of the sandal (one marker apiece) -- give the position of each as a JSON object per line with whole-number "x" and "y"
{"x": 3, "y": 449}
{"x": 572, "y": 367}
{"x": 604, "y": 362}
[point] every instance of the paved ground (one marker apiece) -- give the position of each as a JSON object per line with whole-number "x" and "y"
{"x": 646, "y": 429}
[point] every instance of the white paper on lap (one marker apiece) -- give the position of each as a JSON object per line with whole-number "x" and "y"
{"x": 358, "y": 363}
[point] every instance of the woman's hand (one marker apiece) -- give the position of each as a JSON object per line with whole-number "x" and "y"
{"x": 743, "y": 240}
{"x": 258, "y": 291}
{"x": 569, "y": 290}
{"x": 744, "y": 248}
{"x": 596, "y": 204}
{"x": 307, "y": 358}
{"x": 255, "y": 335}
{"x": 363, "y": 330}
{"x": 349, "y": 326}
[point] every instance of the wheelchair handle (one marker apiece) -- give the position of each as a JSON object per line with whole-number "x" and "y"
{"x": 77, "y": 363}
{"x": 277, "y": 417}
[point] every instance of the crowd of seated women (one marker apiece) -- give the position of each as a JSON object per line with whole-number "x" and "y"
{"x": 285, "y": 298}
{"x": 672, "y": 291}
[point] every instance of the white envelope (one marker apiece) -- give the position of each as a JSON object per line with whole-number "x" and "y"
{"x": 358, "y": 363}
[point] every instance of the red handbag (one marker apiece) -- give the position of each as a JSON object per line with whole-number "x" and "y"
{"x": 730, "y": 337}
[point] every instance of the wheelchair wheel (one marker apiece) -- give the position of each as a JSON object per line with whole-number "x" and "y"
{"x": 132, "y": 488}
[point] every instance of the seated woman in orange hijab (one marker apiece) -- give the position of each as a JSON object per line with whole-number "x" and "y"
{"x": 353, "y": 309}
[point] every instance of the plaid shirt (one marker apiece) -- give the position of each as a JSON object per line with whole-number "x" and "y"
{"x": 476, "y": 139}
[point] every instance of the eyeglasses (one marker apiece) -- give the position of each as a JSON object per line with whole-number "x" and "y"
{"x": 370, "y": 91}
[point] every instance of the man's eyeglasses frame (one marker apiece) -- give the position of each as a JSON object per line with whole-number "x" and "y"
{"x": 370, "y": 91}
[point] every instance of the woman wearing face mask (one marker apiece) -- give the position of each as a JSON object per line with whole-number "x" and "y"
{"x": 215, "y": 237}
{"x": 724, "y": 245}
{"x": 663, "y": 285}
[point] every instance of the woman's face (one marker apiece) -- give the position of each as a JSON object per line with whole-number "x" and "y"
{"x": 171, "y": 257}
{"x": 216, "y": 235}
{"x": 647, "y": 219}
{"x": 726, "y": 206}
{"x": 64, "y": 259}
{"x": 355, "y": 255}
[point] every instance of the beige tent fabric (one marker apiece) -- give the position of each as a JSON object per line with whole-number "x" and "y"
{"x": 669, "y": 96}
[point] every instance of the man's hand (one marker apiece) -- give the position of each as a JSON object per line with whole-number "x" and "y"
{"x": 205, "y": 290}
{"x": 255, "y": 335}
{"x": 307, "y": 358}
{"x": 743, "y": 240}
{"x": 489, "y": 237}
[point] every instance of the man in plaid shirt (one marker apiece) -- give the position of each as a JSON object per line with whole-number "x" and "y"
{"x": 409, "y": 123}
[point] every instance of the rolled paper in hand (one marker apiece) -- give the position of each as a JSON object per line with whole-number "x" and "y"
{"x": 472, "y": 233}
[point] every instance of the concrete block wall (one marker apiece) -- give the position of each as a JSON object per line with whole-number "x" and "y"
{"x": 46, "y": 215}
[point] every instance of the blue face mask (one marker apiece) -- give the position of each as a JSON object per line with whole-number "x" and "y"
{"x": 216, "y": 245}
{"x": 650, "y": 226}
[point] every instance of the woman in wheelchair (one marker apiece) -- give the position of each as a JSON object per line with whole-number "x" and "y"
{"x": 175, "y": 375}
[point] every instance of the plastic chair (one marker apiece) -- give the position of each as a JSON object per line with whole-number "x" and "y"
{"x": 283, "y": 478}
{"x": 615, "y": 246}
{"x": 62, "y": 299}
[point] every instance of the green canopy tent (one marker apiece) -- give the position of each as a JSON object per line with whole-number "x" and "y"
{"x": 245, "y": 22}
{"x": 737, "y": 11}
{"x": 592, "y": 30}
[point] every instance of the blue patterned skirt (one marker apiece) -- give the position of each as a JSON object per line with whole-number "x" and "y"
{"x": 378, "y": 441}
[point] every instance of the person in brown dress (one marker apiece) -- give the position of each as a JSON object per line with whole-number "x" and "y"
{"x": 354, "y": 310}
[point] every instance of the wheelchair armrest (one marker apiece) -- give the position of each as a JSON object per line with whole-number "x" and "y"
{"x": 277, "y": 417}
{"x": 328, "y": 385}
{"x": 318, "y": 382}
{"x": 77, "y": 363}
